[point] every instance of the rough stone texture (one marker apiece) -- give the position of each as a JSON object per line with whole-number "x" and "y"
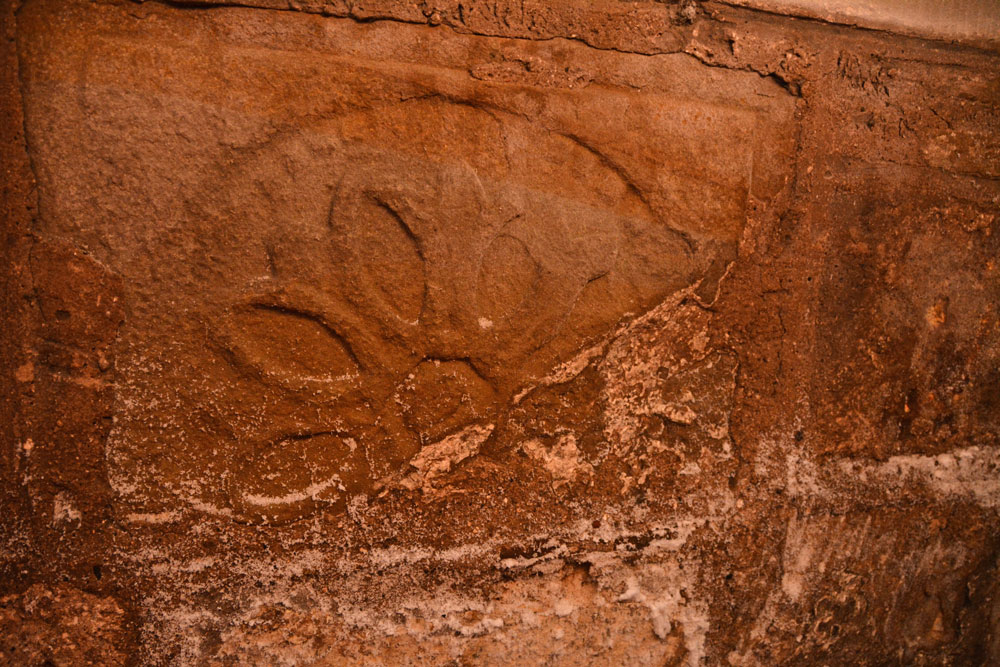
{"x": 492, "y": 333}
{"x": 976, "y": 21}
{"x": 63, "y": 626}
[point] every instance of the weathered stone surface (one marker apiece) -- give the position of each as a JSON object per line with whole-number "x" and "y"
{"x": 653, "y": 333}
{"x": 63, "y": 626}
{"x": 967, "y": 20}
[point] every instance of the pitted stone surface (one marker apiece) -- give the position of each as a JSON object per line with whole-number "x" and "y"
{"x": 497, "y": 332}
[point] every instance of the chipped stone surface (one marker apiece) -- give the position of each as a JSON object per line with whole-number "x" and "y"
{"x": 492, "y": 333}
{"x": 60, "y": 625}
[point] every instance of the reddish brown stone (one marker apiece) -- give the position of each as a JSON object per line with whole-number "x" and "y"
{"x": 491, "y": 333}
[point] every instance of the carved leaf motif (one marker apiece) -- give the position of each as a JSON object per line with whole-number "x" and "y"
{"x": 507, "y": 276}
{"x": 389, "y": 255}
{"x": 285, "y": 342}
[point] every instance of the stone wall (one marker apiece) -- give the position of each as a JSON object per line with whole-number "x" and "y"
{"x": 496, "y": 333}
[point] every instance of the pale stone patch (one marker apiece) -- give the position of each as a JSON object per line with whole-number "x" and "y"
{"x": 436, "y": 460}
{"x": 562, "y": 460}
{"x": 63, "y": 509}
